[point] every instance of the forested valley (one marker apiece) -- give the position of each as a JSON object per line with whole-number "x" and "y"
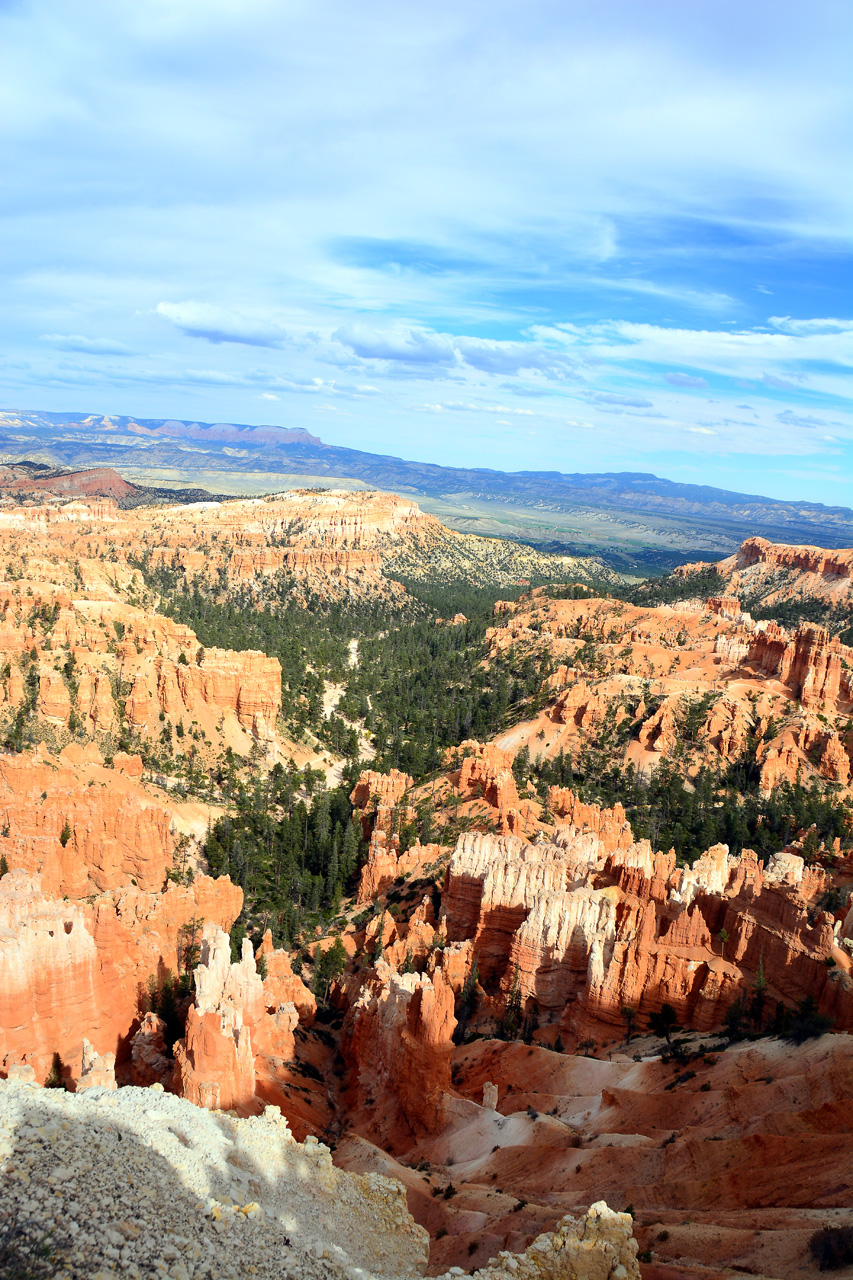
{"x": 421, "y": 685}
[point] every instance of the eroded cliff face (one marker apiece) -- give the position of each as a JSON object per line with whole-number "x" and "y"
{"x": 335, "y": 543}
{"x": 586, "y": 921}
{"x": 636, "y": 677}
{"x": 215, "y": 1062}
{"x": 542, "y": 898}
{"x": 74, "y": 971}
{"x": 777, "y": 571}
{"x": 77, "y": 677}
{"x": 589, "y": 926}
{"x": 730, "y": 1169}
{"x": 244, "y": 1044}
{"x": 397, "y": 1044}
{"x": 82, "y": 827}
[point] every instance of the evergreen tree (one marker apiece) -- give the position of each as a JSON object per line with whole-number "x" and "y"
{"x": 352, "y": 841}
{"x": 734, "y": 1019}
{"x": 759, "y": 990}
{"x": 665, "y": 1023}
{"x": 512, "y": 1018}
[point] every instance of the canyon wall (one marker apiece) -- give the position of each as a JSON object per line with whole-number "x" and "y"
{"x": 75, "y": 970}
{"x": 588, "y": 924}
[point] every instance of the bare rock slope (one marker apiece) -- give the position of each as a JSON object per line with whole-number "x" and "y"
{"x": 144, "y": 1183}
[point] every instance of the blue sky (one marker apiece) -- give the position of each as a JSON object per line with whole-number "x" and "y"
{"x": 575, "y": 235}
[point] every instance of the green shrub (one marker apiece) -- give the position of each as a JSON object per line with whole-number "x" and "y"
{"x": 832, "y": 1248}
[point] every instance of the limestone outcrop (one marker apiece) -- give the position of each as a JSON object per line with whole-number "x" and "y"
{"x": 283, "y": 986}
{"x": 730, "y": 1169}
{"x": 150, "y": 1059}
{"x": 232, "y": 1196}
{"x": 660, "y": 731}
{"x": 98, "y": 1069}
{"x": 83, "y": 828}
{"x": 376, "y": 796}
{"x": 806, "y": 560}
{"x": 698, "y": 681}
{"x": 810, "y": 662}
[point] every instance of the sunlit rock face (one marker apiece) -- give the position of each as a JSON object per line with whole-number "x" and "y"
{"x": 73, "y": 971}
{"x": 587, "y": 926}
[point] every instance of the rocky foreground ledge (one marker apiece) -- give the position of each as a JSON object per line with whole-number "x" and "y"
{"x": 139, "y": 1183}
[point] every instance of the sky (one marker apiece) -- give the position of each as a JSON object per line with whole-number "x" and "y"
{"x": 574, "y": 235}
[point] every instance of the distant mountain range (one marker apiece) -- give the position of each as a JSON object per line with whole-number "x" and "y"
{"x": 634, "y": 518}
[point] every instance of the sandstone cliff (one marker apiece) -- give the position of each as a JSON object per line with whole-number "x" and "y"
{"x": 75, "y": 971}
{"x": 397, "y": 1043}
{"x": 632, "y": 678}
{"x": 588, "y": 926}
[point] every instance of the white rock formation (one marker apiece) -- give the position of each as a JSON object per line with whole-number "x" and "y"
{"x": 147, "y": 1183}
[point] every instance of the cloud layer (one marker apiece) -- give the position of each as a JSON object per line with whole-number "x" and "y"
{"x": 587, "y": 237}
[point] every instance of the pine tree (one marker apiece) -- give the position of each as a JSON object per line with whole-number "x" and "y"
{"x": 352, "y": 841}
{"x": 734, "y": 1019}
{"x": 759, "y": 990}
{"x": 512, "y": 1014}
{"x": 664, "y": 1023}
{"x": 332, "y": 876}
{"x": 322, "y": 819}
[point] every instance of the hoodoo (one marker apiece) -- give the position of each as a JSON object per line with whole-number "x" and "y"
{"x": 258, "y": 872}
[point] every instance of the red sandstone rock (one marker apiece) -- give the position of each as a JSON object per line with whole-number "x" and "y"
{"x": 397, "y": 1043}
{"x": 572, "y": 921}
{"x": 54, "y": 702}
{"x": 98, "y": 1070}
{"x": 805, "y": 559}
{"x": 810, "y": 662}
{"x": 376, "y": 795}
{"x": 214, "y": 1063}
{"x": 835, "y": 762}
{"x": 150, "y": 1063}
{"x": 660, "y": 731}
{"x": 610, "y": 825}
{"x": 114, "y": 833}
{"x": 283, "y": 986}
{"x": 71, "y": 970}
{"x": 384, "y": 865}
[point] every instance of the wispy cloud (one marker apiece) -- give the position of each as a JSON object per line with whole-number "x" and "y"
{"x": 615, "y": 398}
{"x": 791, "y": 419}
{"x": 91, "y": 346}
{"x": 685, "y": 380}
{"x": 578, "y": 214}
{"x": 220, "y": 324}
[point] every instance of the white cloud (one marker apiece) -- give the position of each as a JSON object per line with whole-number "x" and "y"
{"x": 791, "y": 419}
{"x": 456, "y": 406}
{"x": 89, "y": 346}
{"x": 418, "y": 347}
{"x": 618, "y": 398}
{"x": 814, "y": 326}
{"x": 219, "y": 324}
{"x": 409, "y": 346}
{"x": 741, "y": 352}
{"x": 399, "y": 205}
{"x": 685, "y": 380}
